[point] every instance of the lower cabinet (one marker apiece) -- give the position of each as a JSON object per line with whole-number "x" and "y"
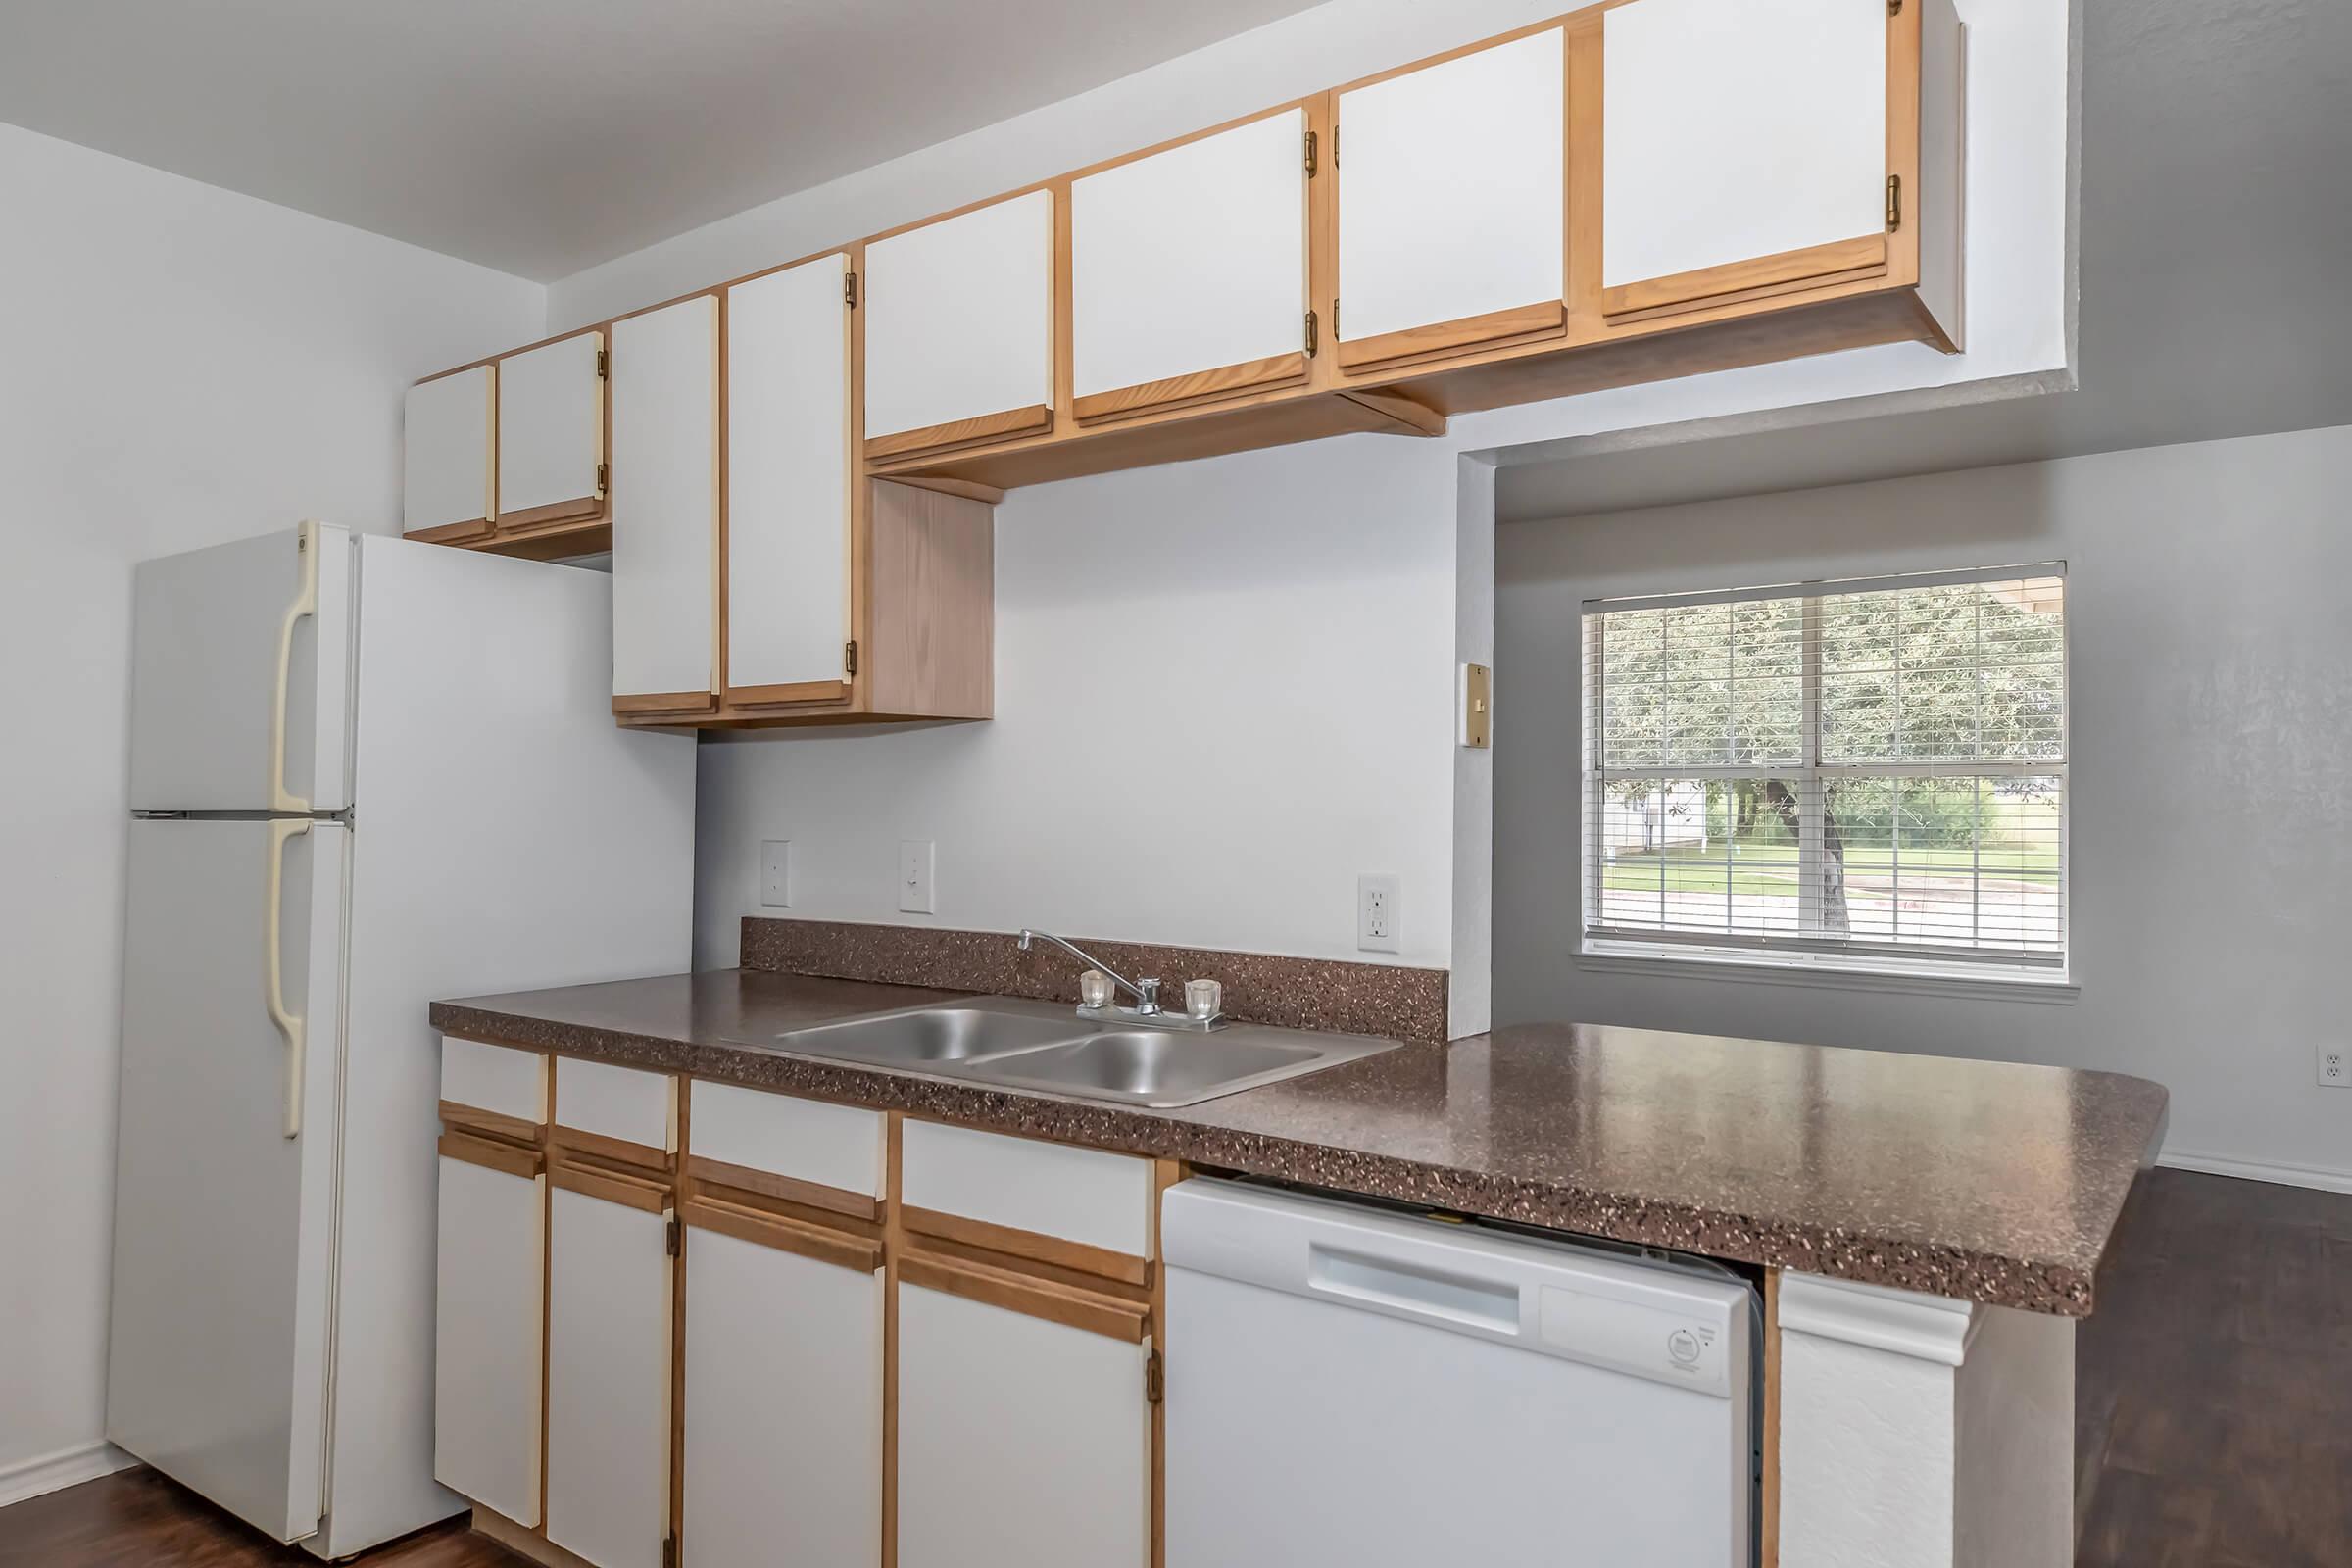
{"x": 609, "y": 1369}
{"x": 783, "y": 1393}
{"x": 488, "y": 1321}
{"x": 1023, "y": 1440}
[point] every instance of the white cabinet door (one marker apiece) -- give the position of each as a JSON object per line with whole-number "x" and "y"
{"x": 1191, "y": 260}
{"x": 1735, "y": 134}
{"x": 608, "y": 1380}
{"x": 487, "y": 1332}
{"x": 446, "y": 440}
{"x": 665, "y": 501}
{"x": 783, "y": 1407}
{"x": 1022, "y": 1442}
{"x": 551, "y": 432}
{"x": 959, "y": 327}
{"x": 788, "y": 468}
{"x": 1452, "y": 186}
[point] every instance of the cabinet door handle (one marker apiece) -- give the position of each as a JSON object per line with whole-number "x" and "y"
{"x": 290, "y": 1025}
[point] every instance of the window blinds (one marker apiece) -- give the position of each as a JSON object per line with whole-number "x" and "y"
{"x": 1872, "y": 766}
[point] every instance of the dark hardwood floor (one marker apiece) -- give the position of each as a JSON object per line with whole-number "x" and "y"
{"x": 2213, "y": 1411}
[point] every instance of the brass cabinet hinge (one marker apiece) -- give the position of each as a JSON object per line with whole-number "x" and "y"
{"x": 1894, "y": 203}
{"x": 604, "y": 479}
{"x": 1155, "y": 1379}
{"x": 677, "y": 1236}
{"x": 1310, "y": 334}
{"x": 849, "y": 291}
{"x": 849, "y": 658}
{"x": 1310, "y": 155}
{"x": 1894, "y": 8}
{"x": 604, "y": 365}
{"x": 669, "y": 1551}
{"x": 1334, "y": 146}
{"x": 1334, "y": 318}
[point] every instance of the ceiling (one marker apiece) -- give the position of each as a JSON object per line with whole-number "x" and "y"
{"x": 2215, "y": 273}
{"x": 543, "y": 136}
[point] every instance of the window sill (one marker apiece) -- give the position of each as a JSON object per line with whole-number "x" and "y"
{"x": 2003, "y": 985}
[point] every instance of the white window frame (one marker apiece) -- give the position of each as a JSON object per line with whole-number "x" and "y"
{"x": 1903, "y": 964}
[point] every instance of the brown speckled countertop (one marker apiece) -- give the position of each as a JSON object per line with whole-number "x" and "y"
{"x": 1986, "y": 1181}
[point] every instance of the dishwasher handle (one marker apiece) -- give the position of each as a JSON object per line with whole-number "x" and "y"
{"x": 1413, "y": 1289}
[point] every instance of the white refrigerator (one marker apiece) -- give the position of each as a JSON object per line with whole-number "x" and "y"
{"x": 363, "y": 773}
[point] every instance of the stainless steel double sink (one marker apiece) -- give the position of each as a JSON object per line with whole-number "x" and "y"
{"x": 1037, "y": 1044}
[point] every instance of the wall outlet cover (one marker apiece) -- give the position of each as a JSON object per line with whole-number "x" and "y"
{"x": 2335, "y": 1066}
{"x": 775, "y": 875}
{"x": 916, "y": 862}
{"x": 1375, "y": 914}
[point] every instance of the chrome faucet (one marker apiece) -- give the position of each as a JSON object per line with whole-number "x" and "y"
{"x": 1146, "y": 1008}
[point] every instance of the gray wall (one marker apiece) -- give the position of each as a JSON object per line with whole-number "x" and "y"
{"x": 2210, "y": 602}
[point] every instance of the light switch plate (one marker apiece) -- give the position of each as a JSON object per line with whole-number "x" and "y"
{"x": 1375, "y": 913}
{"x": 1478, "y": 707}
{"x": 916, "y": 857}
{"x": 775, "y": 875}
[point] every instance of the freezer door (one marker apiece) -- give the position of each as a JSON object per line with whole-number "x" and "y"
{"x": 240, "y": 676}
{"x": 218, "y": 1367}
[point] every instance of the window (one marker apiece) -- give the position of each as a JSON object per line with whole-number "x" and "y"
{"x": 1865, "y": 773}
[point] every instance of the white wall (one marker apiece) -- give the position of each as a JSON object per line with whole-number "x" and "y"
{"x": 2211, "y": 775}
{"x": 1223, "y": 690}
{"x": 178, "y": 365}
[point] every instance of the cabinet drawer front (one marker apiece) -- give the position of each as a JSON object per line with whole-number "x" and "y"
{"x": 783, "y": 1412}
{"x": 499, "y": 1079}
{"x": 1452, "y": 186}
{"x": 1736, "y": 134}
{"x": 1095, "y": 1200}
{"x": 609, "y": 1381}
{"x": 835, "y": 1146}
{"x": 551, "y": 430}
{"x": 989, "y": 1401}
{"x": 1191, "y": 260}
{"x": 446, "y": 441}
{"x": 487, "y": 1326}
{"x": 617, "y": 1103}
{"x": 958, "y": 320}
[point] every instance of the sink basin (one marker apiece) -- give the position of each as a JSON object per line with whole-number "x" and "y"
{"x": 931, "y": 1035}
{"x": 1158, "y": 1067}
{"x": 1036, "y": 1044}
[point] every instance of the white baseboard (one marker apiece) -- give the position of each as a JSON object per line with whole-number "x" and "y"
{"x": 2254, "y": 1170}
{"x": 67, "y": 1467}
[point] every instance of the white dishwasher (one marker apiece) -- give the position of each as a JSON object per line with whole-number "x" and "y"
{"x": 1353, "y": 1388}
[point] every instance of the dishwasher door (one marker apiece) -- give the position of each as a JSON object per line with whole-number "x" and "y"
{"x": 1349, "y": 1388}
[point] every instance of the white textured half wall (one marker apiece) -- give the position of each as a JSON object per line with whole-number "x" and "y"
{"x": 181, "y": 367}
{"x": 2210, "y": 823}
{"x": 1223, "y": 690}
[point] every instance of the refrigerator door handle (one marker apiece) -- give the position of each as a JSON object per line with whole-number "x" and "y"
{"x": 306, "y": 603}
{"x": 274, "y": 980}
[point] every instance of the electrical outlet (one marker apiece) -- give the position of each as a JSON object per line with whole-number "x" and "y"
{"x": 916, "y": 860}
{"x": 2333, "y": 1073}
{"x": 1375, "y": 913}
{"x": 775, "y": 875}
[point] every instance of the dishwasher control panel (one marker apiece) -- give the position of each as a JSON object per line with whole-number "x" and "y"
{"x": 1671, "y": 1344}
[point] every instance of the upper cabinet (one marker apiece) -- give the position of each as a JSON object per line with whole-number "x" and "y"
{"x": 960, "y": 328}
{"x": 666, "y": 509}
{"x": 790, "y": 522}
{"x": 551, "y": 433}
{"x": 1765, "y": 148}
{"x": 1189, "y": 271}
{"x": 449, "y": 490}
{"x": 1452, "y": 191}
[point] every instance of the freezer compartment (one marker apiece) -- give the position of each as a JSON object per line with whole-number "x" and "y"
{"x": 1349, "y": 1388}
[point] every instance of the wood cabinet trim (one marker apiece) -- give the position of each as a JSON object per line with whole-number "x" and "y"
{"x": 1106, "y": 1315}
{"x": 638, "y": 704}
{"x": 1199, "y": 386}
{"x": 980, "y": 428}
{"x": 1027, "y": 1245}
{"x": 1758, "y": 278}
{"x": 864, "y": 1207}
{"x": 530, "y": 519}
{"x": 450, "y": 533}
{"x": 611, "y": 1186}
{"x": 1521, "y": 323}
{"x": 563, "y": 1140}
{"x": 860, "y": 1255}
{"x": 788, "y": 695}
{"x": 491, "y": 1154}
{"x": 489, "y": 1123}
{"x": 1417, "y": 418}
